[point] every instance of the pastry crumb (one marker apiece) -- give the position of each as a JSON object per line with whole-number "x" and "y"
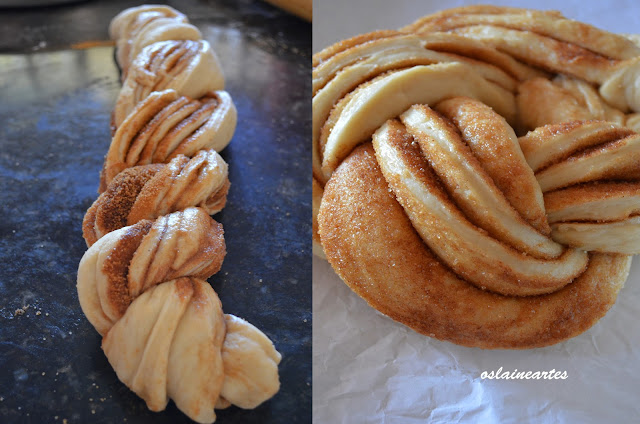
{"x": 21, "y": 311}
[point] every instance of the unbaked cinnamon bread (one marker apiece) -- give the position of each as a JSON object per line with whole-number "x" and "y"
{"x": 152, "y": 244}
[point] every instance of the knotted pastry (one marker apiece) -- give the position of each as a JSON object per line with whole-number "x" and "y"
{"x": 370, "y": 242}
{"x": 174, "y": 342}
{"x": 446, "y": 221}
{"x": 137, "y": 27}
{"x": 165, "y": 125}
{"x": 189, "y": 67}
{"x": 498, "y": 240}
{"x": 166, "y": 337}
{"x": 150, "y": 191}
{"x": 429, "y": 206}
{"x": 361, "y": 82}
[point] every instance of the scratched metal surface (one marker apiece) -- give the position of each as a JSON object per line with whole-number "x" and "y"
{"x": 55, "y": 105}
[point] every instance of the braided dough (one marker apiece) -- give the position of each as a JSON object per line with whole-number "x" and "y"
{"x": 150, "y": 191}
{"x": 137, "y": 27}
{"x": 164, "y": 331}
{"x": 152, "y": 244}
{"x": 392, "y": 269}
{"x": 165, "y": 125}
{"x": 429, "y": 206}
{"x": 189, "y": 67}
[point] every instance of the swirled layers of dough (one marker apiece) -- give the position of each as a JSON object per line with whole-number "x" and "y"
{"x": 564, "y": 99}
{"x": 448, "y": 199}
{"x": 165, "y": 125}
{"x": 150, "y": 191}
{"x": 543, "y": 39}
{"x": 165, "y": 334}
{"x": 447, "y": 186}
{"x": 174, "y": 342}
{"x": 126, "y": 262}
{"x": 137, "y": 27}
{"x": 589, "y": 173}
{"x": 360, "y": 83}
{"x": 449, "y": 223}
{"x": 373, "y": 246}
{"x": 550, "y": 41}
{"x": 189, "y": 67}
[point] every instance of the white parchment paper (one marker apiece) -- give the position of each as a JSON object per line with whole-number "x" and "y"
{"x": 369, "y": 369}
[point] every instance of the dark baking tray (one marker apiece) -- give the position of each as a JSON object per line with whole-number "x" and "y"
{"x": 55, "y": 105}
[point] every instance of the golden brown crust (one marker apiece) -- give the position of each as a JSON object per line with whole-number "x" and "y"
{"x": 349, "y": 67}
{"x": 559, "y": 200}
{"x": 317, "y": 198}
{"x": 390, "y": 267}
{"x": 589, "y": 173}
{"x": 459, "y": 213}
{"x": 449, "y": 198}
{"x": 490, "y": 137}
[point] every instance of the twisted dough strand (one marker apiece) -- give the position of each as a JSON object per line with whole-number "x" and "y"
{"x": 352, "y": 80}
{"x": 445, "y": 188}
{"x": 189, "y": 67}
{"x": 165, "y": 125}
{"x": 137, "y": 27}
{"x": 589, "y": 174}
{"x": 447, "y": 222}
{"x": 552, "y": 42}
{"x": 490, "y": 248}
{"x": 174, "y": 342}
{"x": 141, "y": 282}
{"x": 374, "y": 259}
{"x": 126, "y": 262}
{"x": 150, "y": 191}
